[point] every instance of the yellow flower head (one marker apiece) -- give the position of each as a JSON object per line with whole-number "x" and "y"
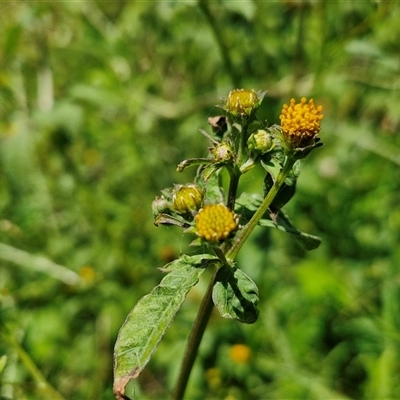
{"x": 240, "y": 353}
{"x": 188, "y": 197}
{"x": 215, "y": 222}
{"x": 242, "y": 101}
{"x": 301, "y": 122}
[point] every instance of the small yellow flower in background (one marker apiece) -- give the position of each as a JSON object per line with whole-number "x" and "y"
{"x": 213, "y": 377}
{"x": 215, "y": 222}
{"x": 240, "y": 353}
{"x": 87, "y": 273}
{"x": 188, "y": 197}
{"x": 242, "y": 101}
{"x": 301, "y": 122}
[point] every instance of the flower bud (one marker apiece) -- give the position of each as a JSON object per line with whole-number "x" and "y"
{"x": 222, "y": 152}
{"x": 242, "y": 102}
{"x": 260, "y": 141}
{"x": 187, "y": 198}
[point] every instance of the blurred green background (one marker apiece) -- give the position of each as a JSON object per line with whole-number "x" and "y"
{"x": 98, "y": 103}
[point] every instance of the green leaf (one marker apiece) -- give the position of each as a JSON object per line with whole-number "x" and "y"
{"x": 146, "y": 324}
{"x": 247, "y": 204}
{"x": 282, "y": 222}
{"x": 166, "y": 219}
{"x": 211, "y": 184}
{"x": 235, "y": 295}
{"x": 191, "y": 162}
{"x": 209, "y": 170}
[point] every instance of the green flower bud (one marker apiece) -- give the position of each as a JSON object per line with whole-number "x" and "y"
{"x": 187, "y": 198}
{"x": 260, "y": 141}
{"x": 159, "y": 205}
{"x": 222, "y": 152}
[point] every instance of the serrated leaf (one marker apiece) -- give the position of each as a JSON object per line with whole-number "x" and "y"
{"x": 235, "y": 295}
{"x": 146, "y": 324}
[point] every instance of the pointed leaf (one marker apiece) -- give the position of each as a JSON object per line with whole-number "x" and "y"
{"x": 209, "y": 170}
{"x": 167, "y": 219}
{"x": 145, "y": 325}
{"x": 235, "y": 295}
{"x": 247, "y": 204}
{"x": 282, "y": 222}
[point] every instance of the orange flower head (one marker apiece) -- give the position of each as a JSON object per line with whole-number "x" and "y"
{"x": 301, "y": 122}
{"x": 240, "y": 353}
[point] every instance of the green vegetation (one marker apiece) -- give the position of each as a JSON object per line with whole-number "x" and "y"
{"x": 100, "y": 100}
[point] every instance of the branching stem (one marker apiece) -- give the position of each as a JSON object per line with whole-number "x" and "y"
{"x": 206, "y": 306}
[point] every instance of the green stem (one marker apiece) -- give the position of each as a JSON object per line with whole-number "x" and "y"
{"x": 235, "y": 172}
{"x": 194, "y": 340}
{"x": 233, "y": 186}
{"x": 245, "y": 233}
{"x": 206, "y": 306}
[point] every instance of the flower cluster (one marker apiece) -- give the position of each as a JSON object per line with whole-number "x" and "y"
{"x": 300, "y": 122}
{"x": 238, "y": 145}
{"x": 215, "y": 222}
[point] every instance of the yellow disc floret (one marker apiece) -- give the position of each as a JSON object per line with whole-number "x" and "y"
{"x": 215, "y": 222}
{"x": 301, "y": 122}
